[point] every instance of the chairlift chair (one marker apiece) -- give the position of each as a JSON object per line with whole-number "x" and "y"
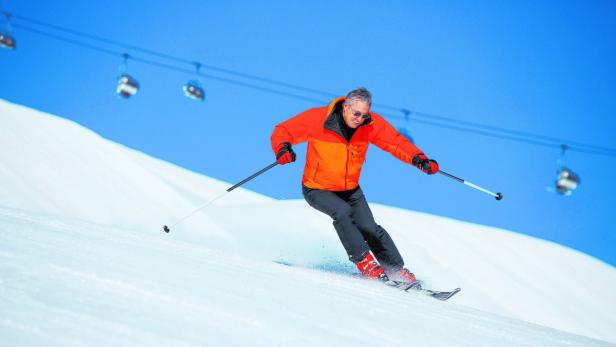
{"x": 404, "y": 132}
{"x": 193, "y": 90}
{"x": 567, "y": 181}
{"x": 7, "y": 41}
{"x": 127, "y": 86}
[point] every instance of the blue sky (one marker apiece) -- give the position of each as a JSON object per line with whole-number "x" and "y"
{"x": 543, "y": 67}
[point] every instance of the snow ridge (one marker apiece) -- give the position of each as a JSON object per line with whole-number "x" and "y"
{"x": 83, "y": 260}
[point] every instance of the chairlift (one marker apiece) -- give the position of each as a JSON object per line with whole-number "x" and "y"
{"x": 127, "y": 86}
{"x": 193, "y": 90}
{"x": 7, "y": 41}
{"x": 567, "y": 181}
{"x": 404, "y": 132}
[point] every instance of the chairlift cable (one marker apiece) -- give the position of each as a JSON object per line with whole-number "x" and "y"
{"x": 171, "y": 57}
{"x": 459, "y": 125}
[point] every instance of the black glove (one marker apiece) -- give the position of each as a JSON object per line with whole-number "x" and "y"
{"x": 426, "y": 165}
{"x": 285, "y": 154}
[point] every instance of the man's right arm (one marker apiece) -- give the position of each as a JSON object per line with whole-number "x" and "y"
{"x": 294, "y": 130}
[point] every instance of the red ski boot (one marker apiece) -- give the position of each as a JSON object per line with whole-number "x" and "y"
{"x": 370, "y": 268}
{"x": 403, "y": 275}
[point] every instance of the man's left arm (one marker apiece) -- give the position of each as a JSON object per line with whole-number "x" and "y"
{"x": 387, "y": 138}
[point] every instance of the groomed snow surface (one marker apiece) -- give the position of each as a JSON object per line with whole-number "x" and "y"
{"x": 84, "y": 261}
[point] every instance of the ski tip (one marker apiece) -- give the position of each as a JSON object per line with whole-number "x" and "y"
{"x": 443, "y": 296}
{"x": 166, "y": 229}
{"x": 452, "y": 293}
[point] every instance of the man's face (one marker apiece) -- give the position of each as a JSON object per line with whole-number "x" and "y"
{"x": 355, "y": 114}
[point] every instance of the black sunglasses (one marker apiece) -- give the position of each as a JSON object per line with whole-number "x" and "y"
{"x": 358, "y": 114}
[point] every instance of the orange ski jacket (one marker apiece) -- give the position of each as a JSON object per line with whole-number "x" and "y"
{"x": 332, "y": 162}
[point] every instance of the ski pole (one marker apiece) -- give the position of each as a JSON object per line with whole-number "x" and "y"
{"x": 498, "y": 196}
{"x": 167, "y": 228}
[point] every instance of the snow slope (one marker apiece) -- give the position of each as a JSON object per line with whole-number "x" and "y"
{"x": 83, "y": 260}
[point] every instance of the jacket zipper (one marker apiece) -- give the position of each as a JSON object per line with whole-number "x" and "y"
{"x": 348, "y": 146}
{"x": 346, "y": 168}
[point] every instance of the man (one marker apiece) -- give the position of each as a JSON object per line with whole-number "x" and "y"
{"x": 338, "y": 138}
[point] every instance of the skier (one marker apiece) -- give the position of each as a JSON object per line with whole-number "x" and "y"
{"x": 338, "y": 136}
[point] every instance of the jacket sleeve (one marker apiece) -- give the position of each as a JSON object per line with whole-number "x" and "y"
{"x": 387, "y": 138}
{"x": 294, "y": 130}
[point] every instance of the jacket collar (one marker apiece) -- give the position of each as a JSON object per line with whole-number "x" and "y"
{"x": 334, "y": 111}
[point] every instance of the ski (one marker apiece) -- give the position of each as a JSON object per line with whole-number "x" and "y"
{"x": 443, "y": 296}
{"x": 416, "y": 286}
{"x": 404, "y": 286}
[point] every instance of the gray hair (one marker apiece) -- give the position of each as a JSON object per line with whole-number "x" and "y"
{"x": 360, "y": 94}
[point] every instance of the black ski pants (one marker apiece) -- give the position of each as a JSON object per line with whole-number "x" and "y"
{"x": 355, "y": 225}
